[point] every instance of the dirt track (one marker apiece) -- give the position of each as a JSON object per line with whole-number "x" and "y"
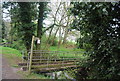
{"x": 9, "y": 72}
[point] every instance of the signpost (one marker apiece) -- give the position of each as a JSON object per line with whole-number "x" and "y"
{"x": 31, "y": 51}
{"x": 31, "y": 54}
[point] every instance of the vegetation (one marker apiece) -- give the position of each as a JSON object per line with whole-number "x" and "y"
{"x": 96, "y": 26}
{"x": 26, "y": 27}
{"x": 99, "y": 24}
{"x": 33, "y": 75}
{"x": 11, "y": 54}
{"x": 14, "y": 57}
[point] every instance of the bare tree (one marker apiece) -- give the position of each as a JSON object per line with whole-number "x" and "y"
{"x": 61, "y": 21}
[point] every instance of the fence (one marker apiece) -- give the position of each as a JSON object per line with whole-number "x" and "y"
{"x": 43, "y": 60}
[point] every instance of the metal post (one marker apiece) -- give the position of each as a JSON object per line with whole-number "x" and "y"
{"x": 28, "y": 59}
{"x": 47, "y": 61}
{"x": 23, "y": 56}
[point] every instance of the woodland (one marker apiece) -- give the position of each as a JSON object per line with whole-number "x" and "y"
{"x": 92, "y": 27}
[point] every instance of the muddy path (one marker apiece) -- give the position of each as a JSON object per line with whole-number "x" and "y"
{"x": 9, "y": 72}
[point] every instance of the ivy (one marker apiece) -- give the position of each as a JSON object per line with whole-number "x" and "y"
{"x": 100, "y": 27}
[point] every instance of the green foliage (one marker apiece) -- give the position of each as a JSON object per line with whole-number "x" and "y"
{"x": 26, "y": 75}
{"x": 100, "y": 23}
{"x": 22, "y": 16}
{"x": 14, "y": 56}
{"x": 7, "y": 50}
{"x": 45, "y": 8}
{"x": 53, "y": 41}
{"x": 83, "y": 42}
{"x": 18, "y": 44}
{"x": 26, "y": 28}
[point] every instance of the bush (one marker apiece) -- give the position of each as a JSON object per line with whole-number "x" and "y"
{"x": 87, "y": 46}
{"x": 52, "y": 41}
{"x": 17, "y": 45}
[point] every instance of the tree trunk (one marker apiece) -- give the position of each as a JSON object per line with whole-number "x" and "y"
{"x": 50, "y": 34}
{"x": 66, "y": 30}
{"x": 55, "y": 35}
{"x": 60, "y": 37}
{"x": 65, "y": 35}
{"x": 40, "y": 23}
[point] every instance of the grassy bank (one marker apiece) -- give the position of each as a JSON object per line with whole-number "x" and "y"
{"x": 14, "y": 56}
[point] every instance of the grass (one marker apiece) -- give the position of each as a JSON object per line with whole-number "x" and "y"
{"x": 26, "y": 75}
{"x": 63, "y": 48}
{"x": 68, "y": 47}
{"x": 10, "y": 51}
{"x": 14, "y": 57}
{"x": 71, "y": 52}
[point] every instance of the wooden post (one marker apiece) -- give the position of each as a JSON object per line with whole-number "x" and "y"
{"x": 31, "y": 54}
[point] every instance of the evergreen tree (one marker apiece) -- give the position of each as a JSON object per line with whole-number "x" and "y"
{"x": 42, "y": 10}
{"x": 26, "y": 28}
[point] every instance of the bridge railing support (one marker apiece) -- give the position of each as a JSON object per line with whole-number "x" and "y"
{"x": 31, "y": 54}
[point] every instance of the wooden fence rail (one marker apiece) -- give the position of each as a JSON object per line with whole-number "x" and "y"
{"x": 43, "y": 60}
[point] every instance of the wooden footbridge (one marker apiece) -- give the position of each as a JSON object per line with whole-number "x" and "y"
{"x": 46, "y": 61}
